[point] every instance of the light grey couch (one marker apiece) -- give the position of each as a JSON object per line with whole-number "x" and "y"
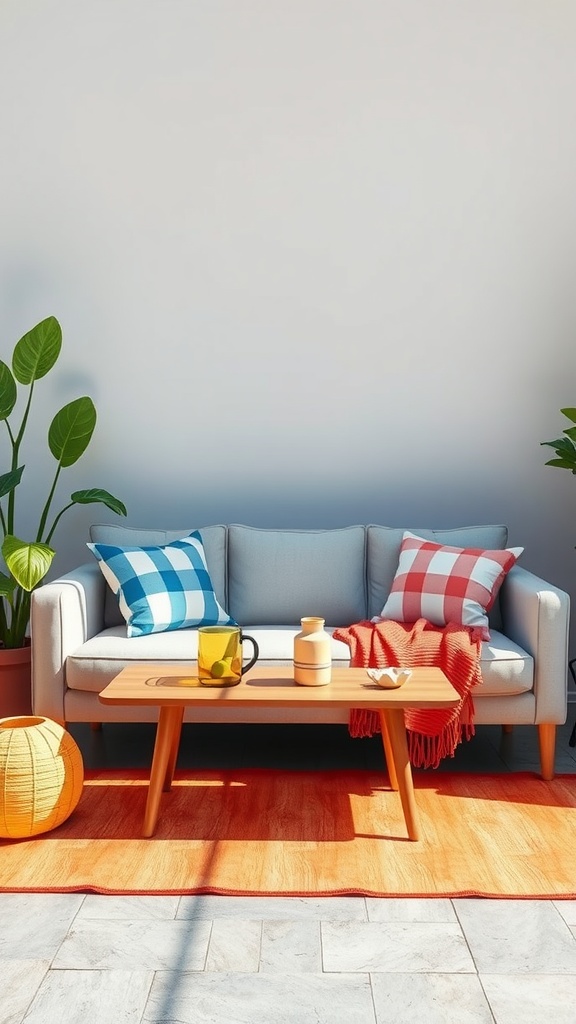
{"x": 267, "y": 580}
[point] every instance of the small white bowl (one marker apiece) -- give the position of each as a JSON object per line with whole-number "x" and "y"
{"x": 389, "y": 678}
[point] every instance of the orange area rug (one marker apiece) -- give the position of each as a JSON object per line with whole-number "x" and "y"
{"x": 300, "y": 833}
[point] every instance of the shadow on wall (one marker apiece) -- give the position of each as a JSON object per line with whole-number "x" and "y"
{"x": 311, "y": 506}
{"x": 549, "y": 552}
{"x": 314, "y": 506}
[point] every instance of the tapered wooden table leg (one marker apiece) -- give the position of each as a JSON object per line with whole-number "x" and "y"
{"x": 399, "y": 745}
{"x": 173, "y": 756}
{"x": 165, "y": 750}
{"x": 388, "y": 754}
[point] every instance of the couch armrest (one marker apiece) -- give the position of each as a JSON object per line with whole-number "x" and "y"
{"x": 63, "y": 615}
{"x": 536, "y": 615}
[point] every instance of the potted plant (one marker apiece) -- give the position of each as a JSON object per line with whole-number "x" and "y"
{"x": 26, "y": 563}
{"x": 565, "y": 447}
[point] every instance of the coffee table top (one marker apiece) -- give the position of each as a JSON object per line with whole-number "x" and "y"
{"x": 264, "y": 685}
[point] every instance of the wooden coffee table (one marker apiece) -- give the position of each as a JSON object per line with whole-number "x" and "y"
{"x": 177, "y": 688}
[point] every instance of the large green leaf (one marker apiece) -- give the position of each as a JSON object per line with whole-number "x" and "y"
{"x": 8, "y": 391}
{"x": 35, "y": 353}
{"x": 8, "y": 481}
{"x": 28, "y": 563}
{"x": 96, "y": 494}
{"x": 71, "y": 430}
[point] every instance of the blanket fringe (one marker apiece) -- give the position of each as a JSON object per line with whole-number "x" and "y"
{"x": 432, "y": 734}
{"x": 364, "y": 722}
{"x": 425, "y": 751}
{"x": 428, "y": 751}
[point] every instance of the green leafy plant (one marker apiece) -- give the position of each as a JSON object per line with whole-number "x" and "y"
{"x": 565, "y": 447}
{"x": 70, "y": 432}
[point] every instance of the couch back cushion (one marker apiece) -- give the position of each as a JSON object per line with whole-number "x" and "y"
{"x": 275, "y": 577}
{"x": 213, "y": 540}
{"x": 383, "y": 553}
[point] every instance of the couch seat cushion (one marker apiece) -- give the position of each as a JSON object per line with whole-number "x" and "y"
{"x": 506, "y": 668}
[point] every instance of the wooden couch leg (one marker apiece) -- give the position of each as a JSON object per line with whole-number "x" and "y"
{"x": 507, "y": 728}
{"x": 96, "y": 726}
{"x": 547, "y": 743}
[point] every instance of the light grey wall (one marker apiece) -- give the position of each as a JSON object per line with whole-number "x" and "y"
{"x": 313, "y": 260}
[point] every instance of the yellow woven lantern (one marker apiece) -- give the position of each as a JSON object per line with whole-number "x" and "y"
{"x": 41, "y": 776}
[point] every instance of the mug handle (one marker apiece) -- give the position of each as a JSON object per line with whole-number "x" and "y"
{"x": 256, "y": 654}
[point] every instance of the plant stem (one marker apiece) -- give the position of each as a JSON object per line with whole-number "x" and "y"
{"x": 20, "y": 618}
{"x": 16, "y": 441}
{"x": 3, "y": 619}
{"x": 57, "y": 520}
{"x": 46, "y": 508}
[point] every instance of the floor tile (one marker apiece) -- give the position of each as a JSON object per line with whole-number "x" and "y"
{"x": 19, "y": 982}
{"x": 129, "y": 908}
{"x": 273, "y": 908}
{"x": 289, "y": 947}
{"x": 394, "y": 947}
{"x": 533, "y": 999}
{"x": 105, "y": 997}
{"x": 35, "y": 925}
{"x": 134, "y": 945}
{"x": 567, "y": 910}
{"x": 234, "y": 945}
{"x": 260, "y": 999}
{"x": 433, "y": 998}
{"x": 439, "y": 910}
{"x": 517, "y": 936}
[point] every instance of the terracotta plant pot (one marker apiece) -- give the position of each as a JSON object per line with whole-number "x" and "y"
{"x": 15, "y": 682}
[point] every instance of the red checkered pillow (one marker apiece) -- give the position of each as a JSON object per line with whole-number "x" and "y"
{"x": 444, "y": 584}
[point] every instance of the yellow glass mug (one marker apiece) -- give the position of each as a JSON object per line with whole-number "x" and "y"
{"x": 220, "y": 655}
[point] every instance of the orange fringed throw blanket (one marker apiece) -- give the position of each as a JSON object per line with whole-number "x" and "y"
{"x": 432, "y": 733}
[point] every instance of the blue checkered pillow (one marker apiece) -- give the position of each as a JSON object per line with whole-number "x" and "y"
{"x": 162, "y": 588}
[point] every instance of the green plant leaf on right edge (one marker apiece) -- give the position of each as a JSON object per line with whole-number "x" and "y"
{"x": 562, "y": 464}
{"x": 563, "y": 444}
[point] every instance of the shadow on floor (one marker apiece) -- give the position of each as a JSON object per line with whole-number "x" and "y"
{"x": 307, "y": 747}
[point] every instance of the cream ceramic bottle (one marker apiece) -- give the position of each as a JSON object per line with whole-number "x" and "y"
{"x": 312, "y": 653}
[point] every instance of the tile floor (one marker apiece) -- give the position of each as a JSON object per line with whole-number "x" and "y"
{"x": 343, "y": 960}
